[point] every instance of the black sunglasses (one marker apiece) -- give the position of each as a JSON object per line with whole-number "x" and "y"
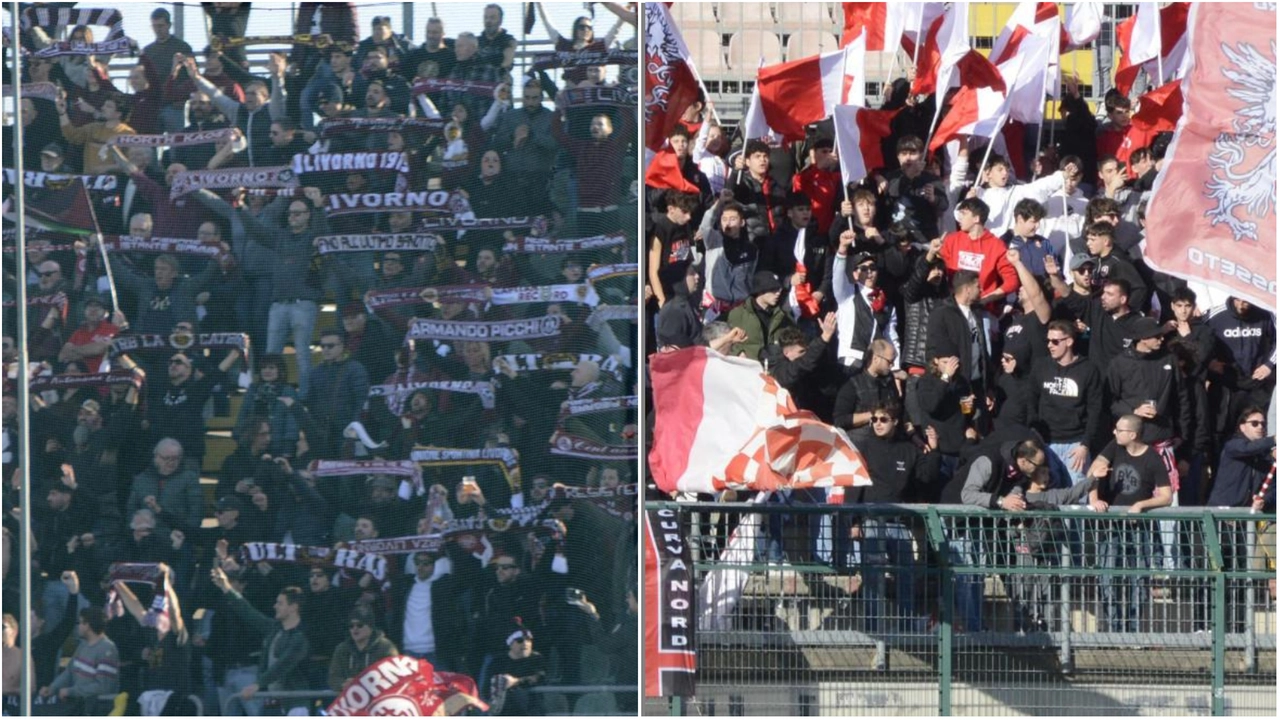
{"x": 1255, "y": 423}
{"x": 1056, "y": 341}
{"x": 47, "y": 273}
{"x": 881, "y": 419}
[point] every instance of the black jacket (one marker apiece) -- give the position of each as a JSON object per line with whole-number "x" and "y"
{"x": 920, "y": 298}
{"x": 797, "y": 376}
{"x": 949, "y": 335}
{"x": 1241, "y": 471}
{"x": 899, "y": 472}
{"x": 861, "y": 393}
{"x": 448, "y": 617}
{"x": 1134, "y": 378}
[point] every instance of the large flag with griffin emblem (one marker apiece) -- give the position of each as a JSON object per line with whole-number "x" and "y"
{"x": 722, "y": 423}
{"x": 1212, "y": 216}
{"x": 671, "y": 82}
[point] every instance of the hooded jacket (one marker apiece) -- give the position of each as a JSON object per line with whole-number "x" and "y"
{"x": 1134, "y": 378}
{"x": 1065, "y": 403}
{"x": 348, "y": 660}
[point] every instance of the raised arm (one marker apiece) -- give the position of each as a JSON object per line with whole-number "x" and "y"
{"x": 551, "y": 31}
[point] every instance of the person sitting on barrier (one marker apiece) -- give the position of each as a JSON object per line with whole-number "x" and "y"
{"x": 1129, "y": 473}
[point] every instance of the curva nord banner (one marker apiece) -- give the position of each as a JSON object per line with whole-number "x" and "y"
{"x": 1212, "y": 216}
{"x": 670, "y": 655}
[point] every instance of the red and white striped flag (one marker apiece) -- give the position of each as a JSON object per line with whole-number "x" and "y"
{"x": 722, "y": 423}
{"x": 671, "y": 80}
{"x": 859, "y": 132}
{"x": 882, "y": 23}
{"x": 796, "y": 93}
{"x": 1212, "y": 215}
{"x": 1149, "y": 35}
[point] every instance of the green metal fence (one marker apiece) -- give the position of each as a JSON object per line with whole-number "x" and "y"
{"x": 952, "y": 610}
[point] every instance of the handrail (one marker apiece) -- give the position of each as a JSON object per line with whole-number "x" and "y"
{"x": 922, "y": 509}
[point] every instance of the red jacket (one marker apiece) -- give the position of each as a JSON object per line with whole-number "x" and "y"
{"x": 823, "y": 189}
{"x": 986, "y": 255}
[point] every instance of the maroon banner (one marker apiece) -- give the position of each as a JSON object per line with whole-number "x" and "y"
{"x": 576, "y": 446}
{"x": 144, "y": 573}
{"x": 342, "y": 126}
{"x": 179, "y": 139}
{"x": 583, "y": 58}
{"x": 423, "y": 86}
{"x": 61, "y": 382}
{"x": 372, "y": 563}
{"x": 58, "y": 300}
{"x": 415, "y": 201}
{"x": 615, "y": 96}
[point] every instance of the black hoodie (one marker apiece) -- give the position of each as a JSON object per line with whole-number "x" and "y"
{"x": 1066, "y": 402}
{"x": 1135, "y": 378}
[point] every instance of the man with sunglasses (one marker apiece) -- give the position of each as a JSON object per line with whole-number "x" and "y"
{"x": 335, "y": 391}
{"x": 1243, "y": 469}
{"x": 1066, "y": 402}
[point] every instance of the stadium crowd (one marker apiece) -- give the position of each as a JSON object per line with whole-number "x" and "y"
{"x": 995, "y": 341}
{"x": 490, "y": 314}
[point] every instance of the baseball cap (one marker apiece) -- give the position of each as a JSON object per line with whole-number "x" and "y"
{"x": 1146, "y": 327}
{"x": 53, "y": 148}
{"x": 1079, "y": 260}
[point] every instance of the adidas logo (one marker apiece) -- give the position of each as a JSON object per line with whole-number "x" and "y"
{"x": 1242, "y": 332}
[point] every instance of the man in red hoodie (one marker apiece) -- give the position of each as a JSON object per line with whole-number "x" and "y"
{"x": 975, "y": 248}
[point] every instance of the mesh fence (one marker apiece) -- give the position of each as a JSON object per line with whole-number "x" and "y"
{"x": 950, "y": 610}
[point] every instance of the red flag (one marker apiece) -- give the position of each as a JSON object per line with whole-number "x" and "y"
{"x": 796, "y": 93}
{"x": 406, "y": 687}
{"x": 671, "y": 81}
{"x": 664, "y": 172}
{"x": 859, "y": 133}
{"x": 882, "y": 23}
{"x": 1212, "y": 216}
{"x": 1145, "y": 36}
{"x": 1158, "y": 111}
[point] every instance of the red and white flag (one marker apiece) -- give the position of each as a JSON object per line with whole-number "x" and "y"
{"x": 1029, "y": 18}
{"x": 882, "y": 22}
{"x": 1212, "y": 215}
{"x": 753, "y": 123}
{"x": 1025, "y": 77}
{"x": 1082, "y": 26}
{"x": 917, "y": 18}
{"x": 1158, "y": 111}
{"x": 859, "y": 132}
{"x": 722, "y": 423}
{"x": 1154, "y": 39}
{"x": 946, "y": 42}
{"x": 796, "y": 93}
{"x": 671, "y": 81}
{"x": 983, "y": 111}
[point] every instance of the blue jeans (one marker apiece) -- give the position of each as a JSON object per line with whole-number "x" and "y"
{"x": 1061, "y": 470}
{"x": 1123, "y": 545}
{"x": 300, "y": 317}
{"x": 887, "y": 546}
{"x": 229, "y": 694}
{"x": 968, "y": 586}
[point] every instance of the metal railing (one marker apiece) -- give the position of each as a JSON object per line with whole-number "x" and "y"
{"x": 557, "y": 700}
{"x": 941, "y": 610}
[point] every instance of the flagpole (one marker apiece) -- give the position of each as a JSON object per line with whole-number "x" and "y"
{"x": 24, "y": 373}
{"x": 990, "y": 144}
{"x": 1160, "y": 53}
